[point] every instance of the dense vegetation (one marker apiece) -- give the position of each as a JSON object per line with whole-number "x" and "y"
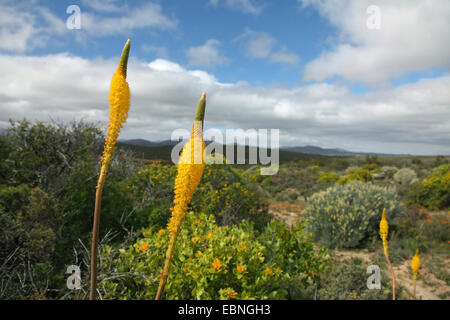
{"x": 230, "y": 246}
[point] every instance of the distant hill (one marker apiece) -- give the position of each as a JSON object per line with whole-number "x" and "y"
{"x": 322, "y": 151}
{"x": 147, "y": 143}
{"x": 331, "y": 152}
{"x": 162, "y": 150}
{"x": 305, "y": 149}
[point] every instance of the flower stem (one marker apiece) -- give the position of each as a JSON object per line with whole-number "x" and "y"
{"x": 167, "y": 262}
{"x": 95, "y": 231}
{"x": 414, "y": 279}
{"x": 393, "y": 275}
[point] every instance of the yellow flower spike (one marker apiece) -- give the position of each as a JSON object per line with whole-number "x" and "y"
{"x": 119, "y": 100}
{"x": 415, "y": 263}
{"x": 384, "y": 230}
{"x": 119, "y": 104}
{"x": 190, "y": 169}
{"x": 415, "y": 266}
{"x": 189, "y": 173}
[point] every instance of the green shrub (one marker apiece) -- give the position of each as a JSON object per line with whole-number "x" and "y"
{"x": 372, "y": 167}
{"x": 212, "y": 262}
{"x": 360, "y": 174}
{"x": 328, "y": 177}
{"x": 344, "y": 216}
{"x": 388, "y": 171}
{"x": 434, "y": 191}
{"x": 347, "y": 280}
{"x": 222, "y": 192}
{"x": 405, "y": 176}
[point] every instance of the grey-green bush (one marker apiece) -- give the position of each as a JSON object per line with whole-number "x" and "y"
{"x": 405, "y": 176}
{"x": 343, "y": 216}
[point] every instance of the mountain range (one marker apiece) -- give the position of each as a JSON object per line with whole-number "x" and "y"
{"x": 299, "y": 149}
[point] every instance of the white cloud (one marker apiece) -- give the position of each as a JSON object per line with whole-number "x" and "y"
{"x": 103, "y": 5}
{"x": 260, "y": 45}
{"x": 245, "y": 6}
{"x": 284, "y": 57}
{"x": 414, "y": 36}
{"x": 206, "y": 55}
{"x": 25, "y": 25}
{"x": 149, "y": 15}
{"x": 23, "y": 29}
{"x": 410, "y": 118}
{"x": 257, "y": 45}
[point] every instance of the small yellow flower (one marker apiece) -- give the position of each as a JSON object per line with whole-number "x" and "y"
{"x": 242, "y": 245}
{"x": 278, "y": 270}
{"x": 196, "y": 222}
{"x": 195, "y": 239}
{"x": 160, "y": 233}
{"x": 232, "y": 295}
{"x": 209, "y": 235}
{"x": 198, "y": 254}
{"x": 143, "y": 247}
{"x": 415, "y": 263}
{"x": 240, "y": 268}
{"x": 269, "y": 271}
{"x": 216, "y": 264}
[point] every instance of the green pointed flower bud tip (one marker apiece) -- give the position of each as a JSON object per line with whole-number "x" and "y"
{"x": 200, "y": 115}
{"x": 124, "y": 58}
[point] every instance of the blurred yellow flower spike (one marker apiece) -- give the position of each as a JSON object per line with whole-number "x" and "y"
{"x": 384, "y": 230}
{"x": 415, "y": 266}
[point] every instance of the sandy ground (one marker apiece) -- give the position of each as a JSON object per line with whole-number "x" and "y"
{"x": 428, "y": 287}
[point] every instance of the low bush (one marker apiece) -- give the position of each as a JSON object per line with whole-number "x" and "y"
{"x": 347, "y": 280}
{"x": 212, "y": 262}
{"x": 360, "y": 174}
{"x": 222, "y": 192}
{"x": 434, "y": 191}
{"x": 328, "y": 177}
{"x": 345, "y": 216}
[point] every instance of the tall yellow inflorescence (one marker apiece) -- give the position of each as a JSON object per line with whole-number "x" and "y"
{"x": 119, "y": 105}
{"x": 189, "y": 170}
{"x": 384, "y": 229}
{"x": 189, "y": 173}
{"x": 415, "y": 263}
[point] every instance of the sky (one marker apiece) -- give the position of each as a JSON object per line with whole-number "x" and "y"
{"x": 360, "y": 75}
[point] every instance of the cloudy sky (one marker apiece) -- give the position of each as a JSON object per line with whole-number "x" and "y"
{"x": 354, "y": 74}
